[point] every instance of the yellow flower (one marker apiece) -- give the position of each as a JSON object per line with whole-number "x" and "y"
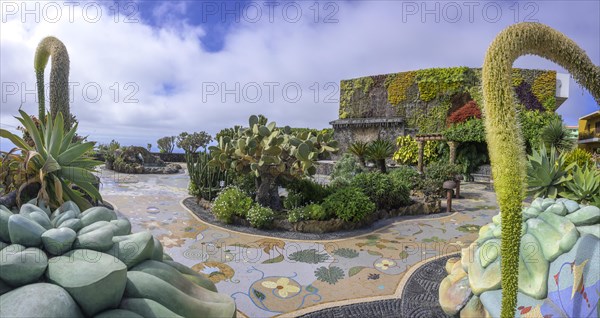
{"x": 385, "y": 264}
{"x": 282, "y": 286}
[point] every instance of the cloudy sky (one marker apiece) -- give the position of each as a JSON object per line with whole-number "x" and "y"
{"x": 141, "y": 70}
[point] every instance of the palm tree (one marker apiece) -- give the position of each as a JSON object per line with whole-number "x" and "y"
{"x": 556, "y": 135}
{"x": 359, "y": 149}
{"x": 378, "y": 151}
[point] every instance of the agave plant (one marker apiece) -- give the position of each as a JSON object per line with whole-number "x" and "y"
{"x": 379, "y": 150}
{"x": 584, "y": 187}
{"x": 359, "y": 149}
{"x": 547, "y": 173}
{"x": 56, "y": 162}
{"x": 556, "y": 135}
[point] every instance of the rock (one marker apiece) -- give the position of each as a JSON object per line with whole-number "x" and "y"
{"x": 123, "y": 227}
{"x": 546, "y": 203}
{"x": 530, "y": 212}
{"x": 454, "y": 291}
{"x": 571, "y": 205}
{"x": 4, "y": 287}
{"x": 166, "y": 257}
{"x": 41, "y": 218}
{"x": 73, "y": 224}
{"x": 537, "y": 203}
{"x": 68, "y": 215}
{"x": 22, "y": 267}
{"x": 157, "y": 253}
{"x": 40, "y": 204}
{"x": 39, "y": 300}
{"x": 70, "y": 205}
{"x": 95, "y": 280}
{"x": 533, "y": 268}
{"x": 450, "y": 263}
{"x": 4, "y": 215}
{"x": 557, "y": 208}
{"x": 474, "y": 309}
{"x": 585, "y": 216}
{"x": 97, "y": 240}
{"x": 147, "y": 308}
{"x": 27, "y": 208}
{"x": 58, "y": 241}
{"x": 485, "y": 278}
{"x": 176, "y": 278}
{"x": 97, "y": 225}
{"x": 3, "y": 245}
{"x": 142, "y": 285}
{"x": 191, "y": 275}
{"x": 134, "y": 248}
{"x": 95, "y": 214}
{"x": 555, "y": 234}
{"x": 118, "y": 313}
{"x": 589, "y": 229}
{"x": 24, "y": 231}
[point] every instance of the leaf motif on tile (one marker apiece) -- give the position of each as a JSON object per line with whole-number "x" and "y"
{"x": 355, "y": 270}
{"x": 274, "y": 260}
{"x": 329, "y": 275}
{"x": 346, "y": 252}
{"x": 310, "y": 256}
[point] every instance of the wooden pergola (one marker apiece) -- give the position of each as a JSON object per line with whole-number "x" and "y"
{"x": 421, "y": 139}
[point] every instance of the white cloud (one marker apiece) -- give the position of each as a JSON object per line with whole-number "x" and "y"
{"x": 170, "y": 68}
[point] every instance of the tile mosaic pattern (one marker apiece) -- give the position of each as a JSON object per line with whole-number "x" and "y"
{"x": 270, "y": 276}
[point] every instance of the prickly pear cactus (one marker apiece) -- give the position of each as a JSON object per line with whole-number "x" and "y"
{"x": 69, "y": 263}
{"x": 559, "y": 265}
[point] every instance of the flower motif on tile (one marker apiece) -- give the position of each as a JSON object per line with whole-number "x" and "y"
{"x": 385, "y": 264}
{"x": 282, "y": 286}
{"x": 168, "y": 241}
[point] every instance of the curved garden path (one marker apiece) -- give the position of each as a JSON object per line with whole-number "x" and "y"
{"x": 269, "y": 276}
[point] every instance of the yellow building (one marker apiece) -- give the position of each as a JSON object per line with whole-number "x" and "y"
{"x": 589, "y": 132}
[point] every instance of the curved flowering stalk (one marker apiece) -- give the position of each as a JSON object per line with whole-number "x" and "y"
{"x": 59, "y": 78}
{"x": 505, "y": 142}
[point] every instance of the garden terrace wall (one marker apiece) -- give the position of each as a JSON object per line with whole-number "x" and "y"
{"x": 420, "y": 101}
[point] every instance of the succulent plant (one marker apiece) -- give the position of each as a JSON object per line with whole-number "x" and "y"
{"x": 378, "y": 151}
{"x": 59, "y": 78}
{"x": 359, "y": 149}
{"x": 205, "y": 179}
{"x": 547, "y": 173}
{"x": 270, "y": 152}
{"x": 584, "y": 186}
{"x": 504, "y": 137}
{"x": 56, "y": 162}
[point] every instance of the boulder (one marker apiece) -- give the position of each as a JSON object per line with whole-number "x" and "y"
{"x": 39, "y": 300}
{"x": 4, "y": 215}
{"x": 147, "y": 308}
{"x": 454, "y": 291}
{"x": 95, "y": 214}
{"x": 67, "y": 215}
{"x": 142, "y": 285}
{"x": 95, "y": 280}
{"x": 73, "y": 224}
{"x": 157, "y": 253}
{"x": 22, "y": 267}
{"x": 70, "y": 205}
{"x": 41, "y": 218}
{"x": 176, "y": 278}
{"x": 123, "y": 227}
{"x": 98, "y": 240}
{"x": 24, "y": 231}
{"x": 134, "y": 248}
{"x": 588, "y": 215}
{"x": 118, "y": 313}
{"x": 191, "y": 275}
{"x": 58, "y": 241}
{"x": 97, "y": 225}
{"x": 4, "y": 287}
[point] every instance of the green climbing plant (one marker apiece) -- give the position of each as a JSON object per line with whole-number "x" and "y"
{"x": 59, "y": 79}
{"x": 505, "y": 141}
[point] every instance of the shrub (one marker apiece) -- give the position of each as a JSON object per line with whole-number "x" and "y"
{"x": 293, "y": 200}
{"x": 580, "y": 157}
{"x": 408, "y": 151}
{"x": 349, "y": 204}
{"x": 469, "y": 131}
{"x": 384, "y": 190}
{"x": 467, "y": 111}
{"x": 436, "y": 174}
{"x": 245, "y": 182}
{"x": 308, "y": 190}
{"x": 260, "y": 216}
{"x": 345, "y": 169}
{"x": 231, "y": 201}
{"x": 309, "y": 212}
{"x": 547, "y": 173}
{"x": 406, "y": 175}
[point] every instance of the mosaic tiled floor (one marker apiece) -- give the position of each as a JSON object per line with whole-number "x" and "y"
{"x": 267, "y": 276}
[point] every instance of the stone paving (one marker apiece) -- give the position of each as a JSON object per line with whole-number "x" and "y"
{"x": 271, "y": 276}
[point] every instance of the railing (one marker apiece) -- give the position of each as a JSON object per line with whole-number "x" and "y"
{"x": 588, "y": 135}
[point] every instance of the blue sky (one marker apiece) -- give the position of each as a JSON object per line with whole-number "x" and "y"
{"x": 154, "y": 68}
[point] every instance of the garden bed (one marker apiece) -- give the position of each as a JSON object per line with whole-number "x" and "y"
{"x": 317, "y": 230}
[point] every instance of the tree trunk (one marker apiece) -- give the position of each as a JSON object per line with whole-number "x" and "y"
{"x": 266, "y": 192}
{"x": 381, "y": 165}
